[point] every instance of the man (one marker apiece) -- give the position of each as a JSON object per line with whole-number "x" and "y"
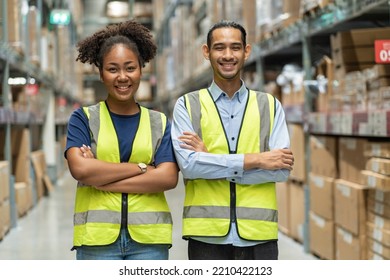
{"x": 231, "y": 145}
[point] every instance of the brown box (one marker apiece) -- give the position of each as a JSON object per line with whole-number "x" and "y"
{"x": 378, "y": 208}
{"x": 378, "y": 234}
{"x": 377, "y": 149}
{"x": 359, "y": 55}
{"x": 297, "y": 211}
{"x": 297, "y": 139}
{"x": 321, "y": 195}
{"x": 249, "y": 19}
{"x": 291, "y": 8}
{"x": 40, "y": 169}
{"x": 374, "y": 256}
{"x": 378, "y": 195}
{"x": 359, "y": 37}
{"x": 378, "y": 221}
{"x": 350, "y": 206}
{"x": 283, "y": 199}
{"x": 323, "y": 155}
{"x": 5, "y": 217}
{"x": 350, "y": 246}
{"x": 376, "y": 72}
{"x": 379, "y": 165}
{"x": 23, "y": 197}
{"x": 379, "y": 248}
{"x": 322, "y": 237}
{"x": 4, "y": 180}
{"x": 376, "y": 180}
{"x": 325, "y": 68}
{"x": 352, "y": 160}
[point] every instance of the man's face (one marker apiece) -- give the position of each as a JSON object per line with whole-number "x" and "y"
{"x": 227, "y": 54}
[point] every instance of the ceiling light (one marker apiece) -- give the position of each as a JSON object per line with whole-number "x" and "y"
{"x": 117, "y": 9}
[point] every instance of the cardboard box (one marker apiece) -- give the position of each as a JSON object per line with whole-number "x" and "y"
{"x": 352, "y": 160}
{"x": 283, "y": 199}
{"x": 356, "y": 55}
{"x": 379, "y": 248}
{"x": 23, "y": 197}
{"x": 358, "y": 37}
{"x": 376, "y": 72}
{"x": 378, "y": 208}
{"x": 321, "y": 195}
{"x": 378, "y": 234}
{"x": 297, "y": 211}
{"x": 374, "y": 256}
{"x": 297, "y": 139}
{"x": 377, "y": 149}
{"x": 350, "y": 246}
{"x": 350, "y": 206}
{"x": 323, "y": 155}
{"x": 249, "y": 19}
{"x": 322, "y": 237}
{"x": 5, "y": 217}
{"x": 376, "y": 180}
{"x": 4, "y": 180}
{"x": 378, "y": 195}
{"x": 378, "y": 221}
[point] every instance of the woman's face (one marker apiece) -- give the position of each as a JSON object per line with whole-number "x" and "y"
{"x": 121, "y": 74}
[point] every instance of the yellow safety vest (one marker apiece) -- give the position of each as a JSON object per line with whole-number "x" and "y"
{"x": 210, "y": 205}
{"x": 97, "y": 218}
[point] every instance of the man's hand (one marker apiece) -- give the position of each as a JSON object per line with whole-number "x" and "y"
{"x": 272, "y": 160}
{"x": 191, "y": 141}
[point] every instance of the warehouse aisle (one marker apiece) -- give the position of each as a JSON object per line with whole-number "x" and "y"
{"x": 45, "y": 233}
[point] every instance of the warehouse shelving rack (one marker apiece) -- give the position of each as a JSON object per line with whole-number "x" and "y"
{"x": 15, "y": 64}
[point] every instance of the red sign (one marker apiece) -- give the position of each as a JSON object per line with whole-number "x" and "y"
{"x": 382, "y": 51}
{"x": 32, "y": 89}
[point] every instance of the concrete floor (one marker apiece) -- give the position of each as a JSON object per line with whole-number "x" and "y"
{"x": 45, "y": 232}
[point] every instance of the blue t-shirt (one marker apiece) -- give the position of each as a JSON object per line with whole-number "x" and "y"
{"x": 126, "y": 127}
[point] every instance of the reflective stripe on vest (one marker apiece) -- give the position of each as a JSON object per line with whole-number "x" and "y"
{"x": 208, "y": 202}
{"x": 97, "y": 217}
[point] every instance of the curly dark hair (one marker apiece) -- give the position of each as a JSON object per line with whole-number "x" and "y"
{"x": 134, "y": 35}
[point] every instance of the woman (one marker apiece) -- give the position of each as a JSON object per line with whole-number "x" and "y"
{"x": 121, "y": 155}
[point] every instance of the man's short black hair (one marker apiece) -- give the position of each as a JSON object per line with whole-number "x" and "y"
{"x": 226, "y": 24}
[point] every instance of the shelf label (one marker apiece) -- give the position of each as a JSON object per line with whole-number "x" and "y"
{"x": 382, "y": 51}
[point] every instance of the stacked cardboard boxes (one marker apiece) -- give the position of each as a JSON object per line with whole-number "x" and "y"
{"x": 377, "y": 178}
{"x": 5, "y": 215}
{"x": 296, "y": 182}
{"x": 353, "y": 52}
{"x": 323, "y": 171}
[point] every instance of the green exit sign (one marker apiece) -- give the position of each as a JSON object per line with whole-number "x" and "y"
{"x": 60, "y": 17}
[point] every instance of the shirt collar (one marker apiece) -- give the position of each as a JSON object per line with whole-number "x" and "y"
{"x": 216, "y": 92}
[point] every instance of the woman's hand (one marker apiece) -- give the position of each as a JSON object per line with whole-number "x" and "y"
{"x": 86, "y": 150}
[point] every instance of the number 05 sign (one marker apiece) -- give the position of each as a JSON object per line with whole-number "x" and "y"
{"x": 382, "y": 51}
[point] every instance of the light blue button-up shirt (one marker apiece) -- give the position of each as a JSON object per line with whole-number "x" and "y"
{"x": 195, "y": 165}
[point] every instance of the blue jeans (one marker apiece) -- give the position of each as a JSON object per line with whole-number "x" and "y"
{"x": 124, "y": 248}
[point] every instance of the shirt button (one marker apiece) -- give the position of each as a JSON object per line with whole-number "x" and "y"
{"x": 233, "y": 180}
{"x": 232, "y": 116}
{"x": 235, "y": 172}
{"x": 233, "y": 138}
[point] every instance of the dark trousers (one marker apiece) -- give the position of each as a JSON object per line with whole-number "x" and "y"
{"x": 204, "y": 251}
